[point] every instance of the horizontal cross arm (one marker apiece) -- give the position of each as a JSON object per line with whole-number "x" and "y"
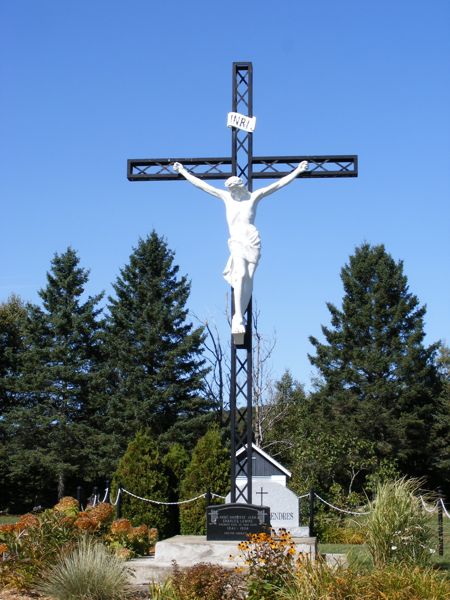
{"x": 274, "y": 167}
{"x": 155, "y": 169}
{"x": 263, "y": 167}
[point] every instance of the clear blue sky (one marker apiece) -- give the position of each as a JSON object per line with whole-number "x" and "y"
{"x": 85, "y": 85}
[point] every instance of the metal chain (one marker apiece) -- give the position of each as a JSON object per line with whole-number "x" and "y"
{"x": 349, "y": 512}
{"x": 445, "y": 510}
{"x": 165, "y": 503}
{"x": 119, "y": 491}
{"x": 428, "y": 510}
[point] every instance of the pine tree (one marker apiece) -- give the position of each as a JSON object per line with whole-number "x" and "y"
{"x": 155, "y": 364}
{"x": 378, "y": 379}
{"x": 141, "y": 472}
{"x": 52, "y": 421}
{"x": 209, "y": 469}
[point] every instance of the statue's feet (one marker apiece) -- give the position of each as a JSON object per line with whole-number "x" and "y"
{"x": 237, "y": 325}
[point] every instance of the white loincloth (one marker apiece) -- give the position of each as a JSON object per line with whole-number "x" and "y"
{"x": 245, "y": 244}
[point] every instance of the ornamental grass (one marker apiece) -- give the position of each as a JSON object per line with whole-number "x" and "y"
{"x": 89, "y": 572}
{"x": 397, "y": 528}
{"x": 315, "y": 580}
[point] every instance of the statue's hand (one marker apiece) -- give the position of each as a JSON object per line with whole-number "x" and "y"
{"x": 303, "y": 166}
{"x": 177, "y": 167}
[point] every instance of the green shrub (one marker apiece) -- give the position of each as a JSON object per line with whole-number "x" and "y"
{"x": 89, "y": 572}
{"x": 31, "y": 544}
{"x": 141, "y": 472}
{"x": 397, "y": 527}
{"x": 128, "y": 541}
{"x": 209, "y": 469}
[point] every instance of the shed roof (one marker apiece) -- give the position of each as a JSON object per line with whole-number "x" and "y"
{"x": 266, "y": 457}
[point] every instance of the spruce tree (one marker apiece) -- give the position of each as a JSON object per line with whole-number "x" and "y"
{"x": 378, "y": 379}
{"x": 55, "y": 388}
{"x": 154, "y": 354}
{"x": 12, "y": 320}
{"x": 13, "y": 316}
{"x": 441, "y": 427}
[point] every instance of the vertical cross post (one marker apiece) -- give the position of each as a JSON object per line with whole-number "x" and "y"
{"x": 243, "y": 164}
{"x": 241, "y": 355}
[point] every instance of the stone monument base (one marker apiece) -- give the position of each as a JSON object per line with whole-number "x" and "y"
{"x": 188, "y": 550}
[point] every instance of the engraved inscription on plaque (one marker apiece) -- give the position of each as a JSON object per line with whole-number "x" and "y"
{"x": 236, "y": 521}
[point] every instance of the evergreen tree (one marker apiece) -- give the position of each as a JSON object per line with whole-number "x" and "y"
{"x": 12, "y": 319}
{"x": 155, "y": 365}
{"x": 51, "y": 425}
{"x": 441, "y": 428}
{"x": 209, "y": 469}
{"x": 13, "y": 316}
{"x": 141, "y": 472}
{"x": 378, "y": 379}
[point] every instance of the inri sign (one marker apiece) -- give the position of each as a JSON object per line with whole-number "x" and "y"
{"x": 241, "y": 122}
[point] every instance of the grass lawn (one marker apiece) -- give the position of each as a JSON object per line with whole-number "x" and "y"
{"x": 8, "y": 519}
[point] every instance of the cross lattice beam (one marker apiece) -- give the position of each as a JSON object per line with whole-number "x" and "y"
{"x": 248, "y": 167}
{"x": 263, "y": 167}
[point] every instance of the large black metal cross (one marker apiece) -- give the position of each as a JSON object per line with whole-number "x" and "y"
{"x": 243, "y": 164}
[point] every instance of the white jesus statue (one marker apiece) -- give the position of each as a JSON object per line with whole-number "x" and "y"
{"x": 244, "y": 241}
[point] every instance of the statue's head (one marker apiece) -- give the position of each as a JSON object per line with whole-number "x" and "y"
{"x": 234, "y": 182}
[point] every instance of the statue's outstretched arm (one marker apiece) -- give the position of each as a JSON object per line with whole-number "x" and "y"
{"x": 273, "y": 187}
{"x": 209, "y": 189}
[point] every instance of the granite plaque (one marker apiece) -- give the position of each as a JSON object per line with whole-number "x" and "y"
{"x": 236, "y": 521}
{"x": 283, "y": 503}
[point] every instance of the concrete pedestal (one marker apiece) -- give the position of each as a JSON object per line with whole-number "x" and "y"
{"x": 188, "y": 550}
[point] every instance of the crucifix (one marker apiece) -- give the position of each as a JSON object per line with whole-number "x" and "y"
{"x": 239, "y": 170}
{"x": 262, "y": 493}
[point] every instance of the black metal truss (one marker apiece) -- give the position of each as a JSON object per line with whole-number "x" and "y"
{"x": 263, "y": 167}
{"x": 245, "y": 165}
{"x": 241, "y": 414}
{"x": 241, "y": 384}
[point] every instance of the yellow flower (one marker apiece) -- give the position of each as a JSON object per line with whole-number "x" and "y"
{"x": 3, "y": 548}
